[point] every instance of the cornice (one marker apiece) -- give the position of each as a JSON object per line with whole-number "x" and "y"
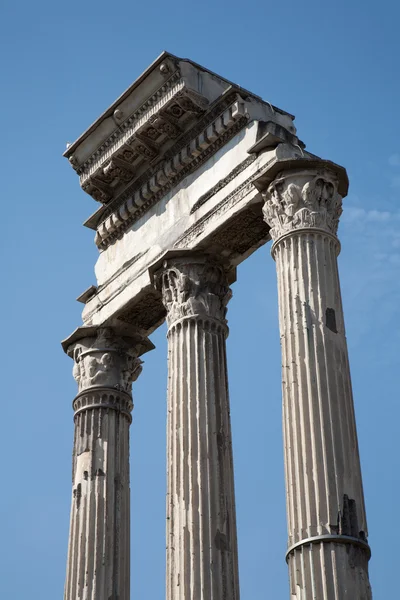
{"x": 164, "y": 56}
{"x": 162, "y": 128}
{"x": 127, "y": 127}
{"x": 202, "y": 122}
{"x": 144, "y": 139}
{"x": 195, "y": 150}
{"x": 172, "y": 62}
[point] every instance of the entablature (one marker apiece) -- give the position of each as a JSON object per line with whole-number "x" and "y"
{"x": 162, "y": 128}
{"x": 176, "y": 163}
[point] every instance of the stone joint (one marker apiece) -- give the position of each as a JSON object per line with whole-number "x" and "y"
{"x": 312, "y": 231}
{"x": 329, "y": 539}
{"x": 103, "y": 398}
{"x": 208, "y": 323}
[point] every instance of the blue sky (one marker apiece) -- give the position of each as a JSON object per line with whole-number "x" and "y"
{"x": 333, "y": 65}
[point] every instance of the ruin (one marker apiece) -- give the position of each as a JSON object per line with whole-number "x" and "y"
{"x": 192, "y": 174}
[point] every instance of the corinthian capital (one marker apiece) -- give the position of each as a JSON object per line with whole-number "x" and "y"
{"x": 105, "y": 360}
{"x": 303, "y": 200}
{"x": 193, "y": 286}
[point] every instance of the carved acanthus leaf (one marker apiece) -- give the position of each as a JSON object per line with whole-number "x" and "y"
{"x": 302, "y": 200}
{"x": 193, "y": 287}
{"x": 107, "y": 361}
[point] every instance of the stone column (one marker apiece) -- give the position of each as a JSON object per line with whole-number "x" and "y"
{"x": 202, "y": 561}
{"x": 99, "y": 542}
{"x": 328, "y": 551}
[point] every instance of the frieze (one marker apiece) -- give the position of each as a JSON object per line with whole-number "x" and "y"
{"x": 223, "y": 182}
{"x": 187, "y": 239}
{"x": 125, "y": 266}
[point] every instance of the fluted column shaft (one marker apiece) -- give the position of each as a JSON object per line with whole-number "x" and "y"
{"x": 201, "y": 520}
{"x": 328, "y": 551}
{"x": 98, "y": 566}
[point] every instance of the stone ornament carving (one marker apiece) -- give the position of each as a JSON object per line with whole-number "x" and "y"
{"x": 193, "y": 287}
{"x": 302, "y": 200}
{"x": 193, "y": 152}
{"x": 106, "y": 360}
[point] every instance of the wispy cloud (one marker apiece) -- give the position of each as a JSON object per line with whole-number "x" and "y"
{"x": 370, "y": 269}
{"x": 394, "y": 161}
{"x": 363, "y": 216}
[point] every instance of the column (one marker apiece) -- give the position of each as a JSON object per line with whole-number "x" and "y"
{"x": 202, "y": 561}
{"x": 328, "y": 551}
{"x": 99, "y": 541}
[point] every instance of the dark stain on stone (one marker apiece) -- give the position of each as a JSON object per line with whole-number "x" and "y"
{"x": 348, "y": 522}
{"x": 221, "y": 541}
{"x": 361, "y": 534}
{"x": 330, "y": 319}
{"x": 308, "y": 317}
{"x": 78, "y": 495}
{"x": 334, "y": 528}
{"x": 100, "y": 473}
{"x": 221, "y": 441}
{"x": 85, "y": 475}
{"x": 83, "y": 451}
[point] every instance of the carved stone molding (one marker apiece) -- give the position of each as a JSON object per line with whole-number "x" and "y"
{"x": 173, "y": 170}
{"x": 144, "y": 140}
{"x": 193, "y": 286}
{"x": 104, "y": 398}
{"x": 303, "y": 200}
{"x": 106, "y": 360}
{"x": 223, "y": 182}
{"x": 126, "y": 129}
{"x": 231, "y": 200}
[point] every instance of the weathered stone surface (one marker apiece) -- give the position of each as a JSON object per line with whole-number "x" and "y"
{"x": 105, "y": 364}
{"x": 215, "y": 225}
{"x": 105, "y": 361}
{"x": 328, "y": 550}
{"x": 185, "y": 120}
{"x": 202, "y": 561}
{"x": 302, "y": 200}
{"x": 184, "y": 164}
